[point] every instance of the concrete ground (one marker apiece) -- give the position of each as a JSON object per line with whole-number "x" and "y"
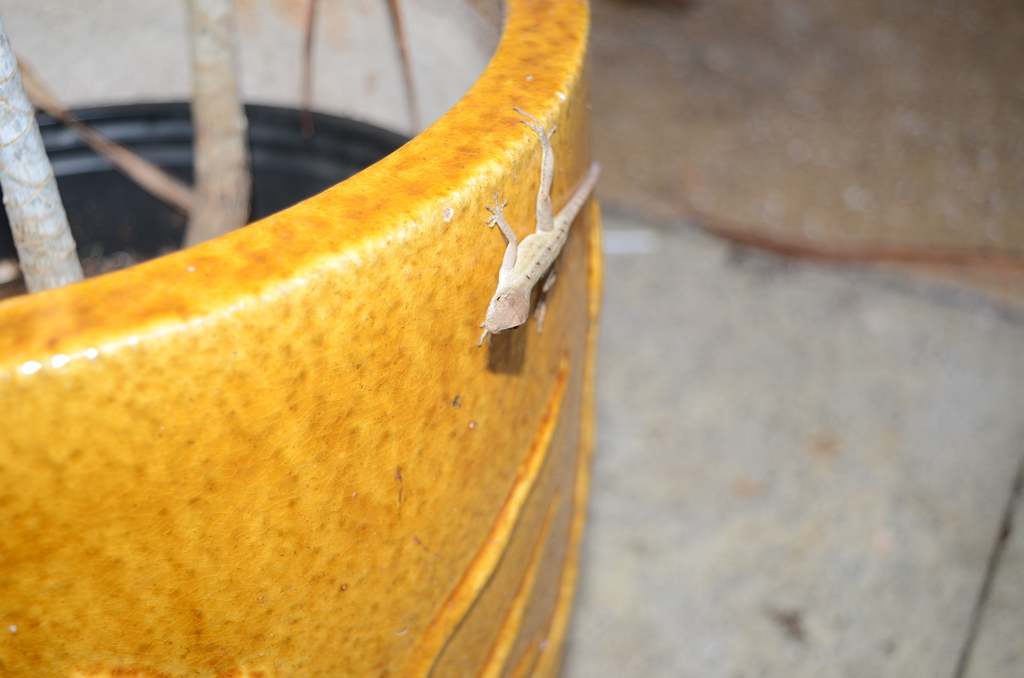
{"x": 802, "y": 469}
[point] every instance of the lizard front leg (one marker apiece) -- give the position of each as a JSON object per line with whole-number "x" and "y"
{"x": 508, "y": 262}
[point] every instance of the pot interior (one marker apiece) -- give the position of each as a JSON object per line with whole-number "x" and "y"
{"x": 115, "y": 223}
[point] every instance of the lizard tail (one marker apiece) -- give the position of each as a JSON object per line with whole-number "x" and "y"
{"x": 579, "y": 197}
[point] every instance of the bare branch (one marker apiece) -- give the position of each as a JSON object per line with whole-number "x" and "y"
{"x": 398, "y": 25}
{"x": 306, "y": 95}
{"x": 149, "y": 176}
{"x": 45, "y": 246}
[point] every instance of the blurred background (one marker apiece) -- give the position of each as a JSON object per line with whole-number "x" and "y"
{"x": 808, "y": 465}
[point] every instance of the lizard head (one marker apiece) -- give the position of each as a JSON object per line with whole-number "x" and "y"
{"x": 509, "y": 309}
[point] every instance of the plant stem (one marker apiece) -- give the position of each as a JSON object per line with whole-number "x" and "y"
{"x": 223, "y": 183}
{"x": 46, "y": 249}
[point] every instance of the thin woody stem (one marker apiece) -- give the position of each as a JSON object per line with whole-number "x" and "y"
{"x": 46, "y": 249}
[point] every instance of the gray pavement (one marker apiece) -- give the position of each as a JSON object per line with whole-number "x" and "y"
{"x": 801, "y": 469}
{"x": 999, "y": 650}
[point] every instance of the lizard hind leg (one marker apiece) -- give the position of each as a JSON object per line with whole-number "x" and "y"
{"x": 542, "y": 302}
{"x": 545, "y": 212}
{"x": 534, "y": 124}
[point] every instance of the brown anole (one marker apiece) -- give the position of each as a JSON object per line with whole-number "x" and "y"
{"x": 526, "y": 263}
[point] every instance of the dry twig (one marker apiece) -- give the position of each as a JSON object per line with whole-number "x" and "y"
{"x": 149, "y": 176}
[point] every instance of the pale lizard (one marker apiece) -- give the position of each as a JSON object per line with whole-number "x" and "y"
{"x": 525, "y": 263}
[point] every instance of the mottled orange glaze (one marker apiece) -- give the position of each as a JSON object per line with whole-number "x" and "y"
{"x": 281, "y": 453}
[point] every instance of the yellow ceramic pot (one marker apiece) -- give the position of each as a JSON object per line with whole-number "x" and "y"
{"x": 281, "y": 453}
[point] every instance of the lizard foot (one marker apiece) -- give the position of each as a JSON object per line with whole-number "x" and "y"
{"x": 535, "y": 125}
{"x": 497, "y": 212}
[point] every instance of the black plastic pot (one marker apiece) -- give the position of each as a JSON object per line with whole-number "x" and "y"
{"x": 108, "y": 213}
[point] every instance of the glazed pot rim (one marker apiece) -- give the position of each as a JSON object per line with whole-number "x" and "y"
{"x": 538, "y": 67}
